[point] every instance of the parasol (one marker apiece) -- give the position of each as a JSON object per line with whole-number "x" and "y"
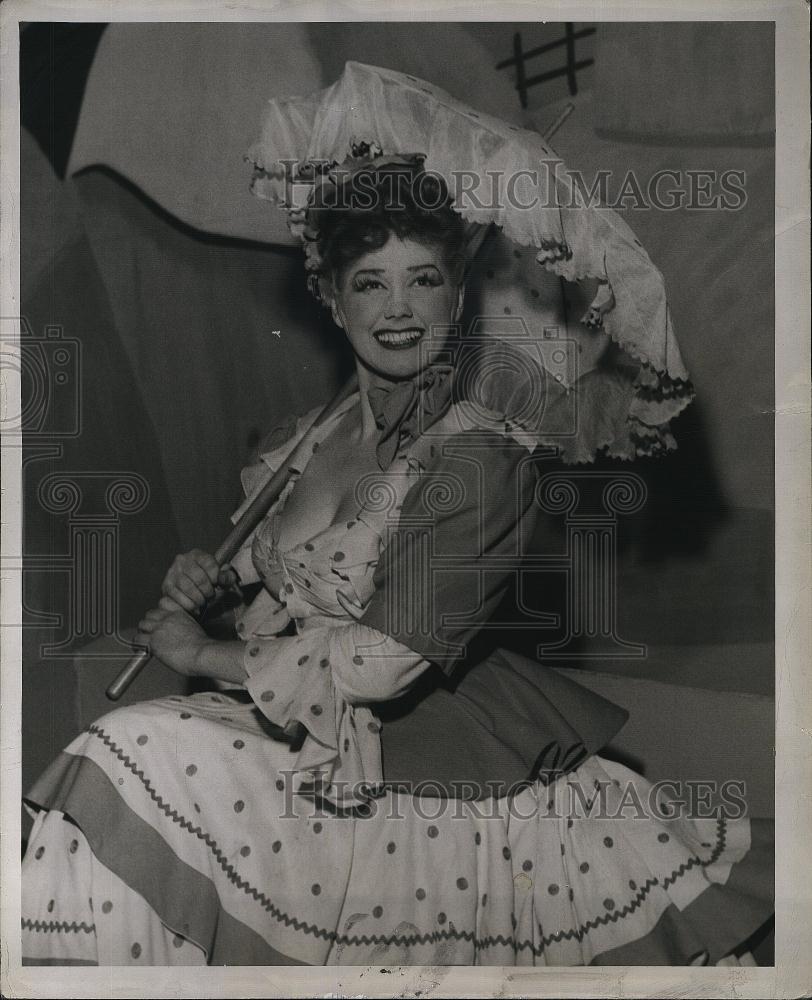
{"x": 557, "y": 276}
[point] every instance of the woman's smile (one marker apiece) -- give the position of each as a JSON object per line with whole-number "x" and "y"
{"x": 399, "y": 340}
{"x": 396, "y": 305}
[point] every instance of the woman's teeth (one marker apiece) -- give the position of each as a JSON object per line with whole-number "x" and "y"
{"x": 398, "y": 338}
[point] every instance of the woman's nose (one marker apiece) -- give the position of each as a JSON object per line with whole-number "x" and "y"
{"x": 397, "y": 304}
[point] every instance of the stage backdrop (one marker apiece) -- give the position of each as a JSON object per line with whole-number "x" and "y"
{"x": 197, "y": 335}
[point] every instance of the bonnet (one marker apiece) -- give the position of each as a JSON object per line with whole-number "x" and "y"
{"x": 558, "y": 279}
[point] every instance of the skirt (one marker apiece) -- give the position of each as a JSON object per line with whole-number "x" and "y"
{"x": 171, "y": 833}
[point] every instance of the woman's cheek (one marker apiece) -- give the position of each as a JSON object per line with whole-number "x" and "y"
{"x": 365, "y": 308}
{"x": 436, "y": 305}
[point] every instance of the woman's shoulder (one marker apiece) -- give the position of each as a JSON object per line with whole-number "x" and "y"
{"x": 498, "y": 380}
{"x": 292, "y": 427}
{"x": 493, "y": 391}
{"x": 270, "y": 452}
{"x": 277, "y": 444}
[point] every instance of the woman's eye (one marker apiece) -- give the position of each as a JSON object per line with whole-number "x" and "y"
{"x": 365, "y": 284}
{"x": 427, "y": 280}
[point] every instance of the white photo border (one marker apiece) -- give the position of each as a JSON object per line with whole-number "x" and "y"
{"x": 792, "y": 974}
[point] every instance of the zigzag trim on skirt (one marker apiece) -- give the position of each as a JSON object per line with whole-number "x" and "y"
{"x": 58, "y": 926}
{"x": 403, "y": 940}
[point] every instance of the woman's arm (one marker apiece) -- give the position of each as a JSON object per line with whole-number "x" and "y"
{"x": 371, "y": 666}
{"x": 221, "y": 660}
{"x": 307, "y": 682}
{"x": 179, "y": 641}
{"x": 366, "y": 665}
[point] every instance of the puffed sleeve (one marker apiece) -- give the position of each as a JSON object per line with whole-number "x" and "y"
{"x": 463, "y": 528}
{"x": 326, "y": 678}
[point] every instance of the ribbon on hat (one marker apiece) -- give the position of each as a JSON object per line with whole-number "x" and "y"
{"x": 406, "y": 409}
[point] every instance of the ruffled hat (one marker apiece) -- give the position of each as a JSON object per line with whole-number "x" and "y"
{"x": 562, "y": 281}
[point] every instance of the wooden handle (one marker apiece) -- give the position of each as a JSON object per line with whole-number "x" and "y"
{"x": 128, "y": 674}
{"x": 251, "y": 517}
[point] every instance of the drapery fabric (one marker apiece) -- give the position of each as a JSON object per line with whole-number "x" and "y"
{"x": 686, "y": 81}
{"x": 708, "y": 517}
{"x": 172, "y": 107}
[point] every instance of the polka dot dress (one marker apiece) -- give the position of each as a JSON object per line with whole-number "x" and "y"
{"x": 179, "y": 832}
{"x": 237, "y": 867}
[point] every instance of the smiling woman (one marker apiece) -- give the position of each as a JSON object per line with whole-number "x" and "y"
{"x": 394, "y": 267}
{"x": 442, "y": 806}
{"x": 392, "y": 300}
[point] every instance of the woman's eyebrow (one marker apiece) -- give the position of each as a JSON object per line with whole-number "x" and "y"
{"x": 370, "y": 270}
{"x": 420, "y": 267}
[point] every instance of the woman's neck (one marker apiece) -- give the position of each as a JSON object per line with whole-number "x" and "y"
{"x": 368, "y": 379}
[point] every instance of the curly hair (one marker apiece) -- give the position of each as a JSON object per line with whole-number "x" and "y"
{"x": 360, "y": 215}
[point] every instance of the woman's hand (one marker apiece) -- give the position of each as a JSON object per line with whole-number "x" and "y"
{"x": 179, "y": 642}
{"x": 174, "y": 637}
{"x": 191, "y": 580}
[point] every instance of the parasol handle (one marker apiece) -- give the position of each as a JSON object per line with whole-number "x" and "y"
{"x": 252, "y": 516}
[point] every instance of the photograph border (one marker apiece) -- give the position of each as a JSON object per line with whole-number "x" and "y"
{"x": 792, "y": 974}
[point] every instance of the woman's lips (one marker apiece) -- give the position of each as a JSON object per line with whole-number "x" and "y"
{"x": 398, "y": 340}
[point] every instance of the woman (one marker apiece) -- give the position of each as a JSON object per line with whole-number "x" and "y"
{"x": 368, "y": 786}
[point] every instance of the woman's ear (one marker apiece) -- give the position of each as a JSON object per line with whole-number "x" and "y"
{"x": 460, "y": 302}
{"x": 331, "y": 293}
{"x": 335, "y": 309}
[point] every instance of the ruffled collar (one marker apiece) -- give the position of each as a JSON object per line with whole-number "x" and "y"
{"x": 408, "y": 408}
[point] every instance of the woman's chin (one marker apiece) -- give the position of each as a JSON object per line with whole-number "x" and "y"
{"x": 396, "y": 363}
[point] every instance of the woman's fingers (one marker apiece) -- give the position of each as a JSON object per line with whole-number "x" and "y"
{"x": 152, "y": 619}
{"x": 180, "y": 599}
{"x": 169, "y": 603}
{"x": 140, "y": 640}
{"x": 187, "y": 593}
{"x": 188, "y": 577}
{"x": 197, "y": 566}
{"x": 202, "y": 569}
{"x": 207, "y": 564}
{"x": 192, "y": 581}
{"x": 191, "y": 589}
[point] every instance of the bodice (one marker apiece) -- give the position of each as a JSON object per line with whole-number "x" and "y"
{"x": 330, "y": 575}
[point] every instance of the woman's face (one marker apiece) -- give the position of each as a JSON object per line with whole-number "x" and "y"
{"x": 395, "y": 305}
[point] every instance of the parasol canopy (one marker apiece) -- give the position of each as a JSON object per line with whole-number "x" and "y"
{"x": 561, "y": 279}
